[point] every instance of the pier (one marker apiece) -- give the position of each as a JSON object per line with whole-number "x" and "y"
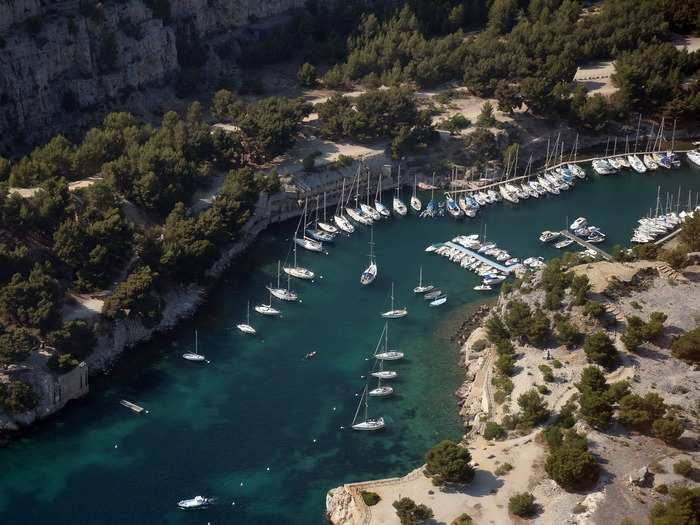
{"x": 495, "y": 265}
{"x": 586, "y": 244}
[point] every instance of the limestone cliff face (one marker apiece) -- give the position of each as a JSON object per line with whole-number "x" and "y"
{"x": 60, "y": 69}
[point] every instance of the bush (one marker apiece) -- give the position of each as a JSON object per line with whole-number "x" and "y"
{"x": 556, "y": 364}
{"x": 676, "y": 257}
{"x": 496, "y": 330}
{"x": 493, "y": 430}
{"x": 580, "y": 286}
{"x": 668, "y": 429}
{"x": 572, "y": 467}
{"x": 409, "y": 513}
{"x": 450, "y": 461}
{"x": 539, "y": 332}
{"x": 553, "y": 436}
{"x": 505, "y": 364}
{"x": 486, "y": 118}
{"x": 633, "y": 336}
{"x": 547, "y": 374}
{"x": 522, "y": 504}
{"x": 307, "y": 75}
{"x": 661, "y": 489}
{"x": 687, "y": 346}
{"x": 595, "y": 310}
{"x": 17, "y": 397}
{"x": 567, "y": 334}
{"x": 479, "y": 345}
{"x": 683, "y": 468}
{"x": 639, "y": 412}
{"x": 681, "y": 509}
{"x": 463, "y": 519}
{"x": 518, "y": 319}
{"x": 533, "y": 408}
{"x": 595, "y": 408}
{"x": 503, "y": 469}
{"x": 600, "y": 349}
{"x": 370, "y": 498}
{"x": 542, "y": 389}
{"x": 16, "y": 345}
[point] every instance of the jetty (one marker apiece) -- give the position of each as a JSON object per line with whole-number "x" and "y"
{"x": 495, "y": 265}
{"x": 603, "y": 254}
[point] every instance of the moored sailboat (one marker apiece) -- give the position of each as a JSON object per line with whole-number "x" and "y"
{"x": 421, "y": 288}
{"x": 416, "y": 204}
{"x": 368, "y": 423}
{"x": 370, "y": 273}
{"x": 267, "y": 309}
{"x": 394, "y": 313}
{"x": 282, "y": 293}
{"x": 397, "y": 204}
{"x": 246, "y": 327}
{"x": 195, "y": 355}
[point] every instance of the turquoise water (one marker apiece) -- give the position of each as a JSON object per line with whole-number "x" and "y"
{"x": 215, "y": 428}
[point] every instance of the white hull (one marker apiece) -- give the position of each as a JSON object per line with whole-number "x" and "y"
{"x": 309, "y": 244}
{"x": 299, "y": 272}
{"x": 246, "y": 329}
{"x": 328, "y": 227}
{"x": 385, "y": 374}
{"x": 416, "y": 204}
{"x": 383, "y": 210}
{"x": 358, "y": 217}
{"x": 381, "y": 391}
{"x": 371, "y": 212}
{"x": 438, "y": 302}
{"x": 369, "y": 275}
{"x": 389, "y": 356}
{"x": 694, "y": 157}
{"x": 193, "y": 357}
{"x": 395, "y": 314}
{"x": 370, "y": 425}
{"x": 423, "y": 289}
{"x": 343, "y": 224}
{"x": 264, "y": 309}
{"x": 399, "y": 207}
{"x": 283, "y": 294}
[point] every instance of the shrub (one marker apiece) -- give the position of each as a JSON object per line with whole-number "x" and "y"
{"x": 450, "y": 461}
{"x": 62, "y": 363}
{"x": 683, "y": 468}
{"x": 567, "y": 334}
{"x": 503, "y": 384}
{"x": 504, "y": 346}
{"x": 571, "y": 467}
{"x": 16, "y": 345}
{"x": 493, "y": 430}
{"x": 522, "y": 504}
{"x": 687, "y": 346}
{"x": 640, "y": 412}
{"x": 533, "y": 408}
{"x": 662, "y": 488}
{"x": 668, "y": 429}
{"x": 518, "y": 318}
{"x": 633, "y": 336}
{"x": 556, "y": 364}
{"x": 539, "y": 331}
{"x": 503, "y": 469}
{"x": 17, "y": 397}
{"x": 463, "y": 519}
{"x": 600, "y": 349}
{"x": 409, "y": 513}
{"x": 370, "y": 498}
{"x": 596, "y": 409}
{"x": 676, "y": 257}
{"x": 486, "y": 118}
{"x": 479, "y": 345}
{"x": 496, "y": 330}
{"x": 580, "y": 286}
{"x": 505, "y": 364}
{"x": 547, "y": 374}
{"x": 307, "y": 75}
{"x": 542, "y": 389}
{"x": 681, "y": 509}
{"x": 595, "y": 310}
{"x": 553, "y": 436}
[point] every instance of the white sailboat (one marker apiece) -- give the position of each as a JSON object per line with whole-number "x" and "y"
{"x": 282, "y": 293}
{"x": 421, "y": 288}
{"x": 339, "y": 219}
{"x": 366, "y": 208}
{"x": 246, "y": 328}
{"x": 381, "y": 390}
{"x": 397, "y": 204}
{"x": 304, "y": 241}
{"x": 368, "y": 423}
{"x": 267, "y": 309}
{"x": 298, "y": 271}
{"x": 381, "y": 373}
{"x": 394, "y": 313}
{"x": 198, "y": 502}
{"x": 356, "y": 213}
{"x": 370, "y": 273}
{"x": 383, "y": 210}
{"x": 416, "y": 204}
{"x": 386, "y": 354}
{"x": 194, "y": 356}
{"x": 324, "y": 224}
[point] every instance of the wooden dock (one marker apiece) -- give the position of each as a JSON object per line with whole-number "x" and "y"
{"x": 493, "y": 264}
{"x": 586, "y": 244}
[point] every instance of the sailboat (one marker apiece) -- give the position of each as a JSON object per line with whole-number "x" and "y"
{"x": 316, "y": 232}
{"x": 394, "y": 313}
{"x": 386, "y": 354}
{"x": 368, "y": 210}
{"x": 383, "y": 210}
{"x": 194, "y": 356}
{"x": 356, "y": 213}
{"x": 416, "y": 204}
{"x": 370, "y": 273}
{"x": 368, "y": 423}
{"x": 398, "y": 205}
{"x": 245, "y": 327}
{"x": 339, "y": 219}
{"x": 267, "y": 309}
{"x": 324, "y": 224}
{"x": 298, "y": 271}
{"x": 421, "y": 288}
{"x": 282, "y": 293}
{"x": 306, "y": 242}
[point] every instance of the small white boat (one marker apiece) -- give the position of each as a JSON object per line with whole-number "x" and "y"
{"x": 548, "y": 236}
{"x": 327, "y": 227}
{"x": 439, "y": 301}
{"x": 578, "y": 223}
{"x": 198, "y": 502}
{"x": 381, "y": 209}
{"x": 416, "y": 204}
{"x": 343, "y": 224}
{"x": 370, "y": 211}
{"x": 637, "y": 164}
{"x": 370, "y": 273}
{"x": 432, "y": 295}
{"x": 397, "y": 204}
{"x": 649, "y": 162}
{"x": 394, "y": 313}
{"x": 246, "y": 328}
{"x": 421, "y": 288}
{"x": 381, "y": 391}
{"x": 563, "y": 244}
{"x": 694, "y": 156}
{"x": 368, "y": 423}
{"x": 483, "y": 288}
{"x": 194, "y": 356}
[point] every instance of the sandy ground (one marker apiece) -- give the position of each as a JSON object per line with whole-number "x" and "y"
{"x": 72, "y": 186}
{"x": 600, "y": 273}
{"x": 85, "y": 307}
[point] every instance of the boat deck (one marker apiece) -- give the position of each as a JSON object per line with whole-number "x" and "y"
{"x": 496, "y": 265}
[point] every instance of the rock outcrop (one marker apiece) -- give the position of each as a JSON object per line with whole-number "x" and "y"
{"x": 64, "y": 63}
{"x": 340, "y": 507}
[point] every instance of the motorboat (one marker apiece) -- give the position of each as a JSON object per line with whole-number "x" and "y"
{"x": 246, "y": 327}
{"x": 432, "y": 295}
{"x": 310, "y": 355}
{"x": 579, "y": 223}
{"x": 563, "y": 244}
{"x": 195, "y": 355}
{"x": 483, "y": 288}
{"x": 512, "y": 261}
{"x": 439, "y": 301}
{"x": 548, "y": 236}
{"x": 368, "y": 423}
{"x": 493, "y": 279}
{"x": 198, "y": 502}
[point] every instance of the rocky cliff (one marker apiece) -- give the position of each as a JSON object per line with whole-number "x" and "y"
{"x": 64, "y": 63}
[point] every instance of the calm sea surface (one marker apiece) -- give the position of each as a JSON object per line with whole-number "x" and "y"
{"x": 259, "y": 426}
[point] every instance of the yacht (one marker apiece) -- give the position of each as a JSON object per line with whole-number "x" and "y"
{"x": 422, "y": 288}
{"x": 602, "y": 167}
{"x": 298, "y": 271}
{"x": 577, "y": 170}
{"x": 563, "y": 244}
{"x": 370, "y": 273}
{"x": 483, "y": 288}
{"x": 416, "y": 204}
{"x": 385, "y": 354}
{"x": 438, "y": 302}
{"x": 246, "y": 328}
{"x": 694, "y": 156}
{"x": 649, "y": 162}
{"x": 267, "y": 309}
{"x": 453, "y": 208}
{"x": 282, "y": 293}
{"x": 198, "y": 502}
{"x": 637, "y": 165}
{"x": 194, "y": 356}
{"x": 578, "y": 223}
{"x": 548, "y": 236}
{"x": 394, "y": 313}
{"x": 383, "y": 210}
{"x": 368, "y": 423}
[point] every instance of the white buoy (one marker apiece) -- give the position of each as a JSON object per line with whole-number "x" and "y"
{"x": 116, "y": 446}
{"x": 314, "y": 440}
{"x": 268, "y": 469}
{"x": 333, "y": 408}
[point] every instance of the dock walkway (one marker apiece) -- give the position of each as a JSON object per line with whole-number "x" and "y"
{"x": 493, "y": 264}
{"x": 586, "y": 244}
